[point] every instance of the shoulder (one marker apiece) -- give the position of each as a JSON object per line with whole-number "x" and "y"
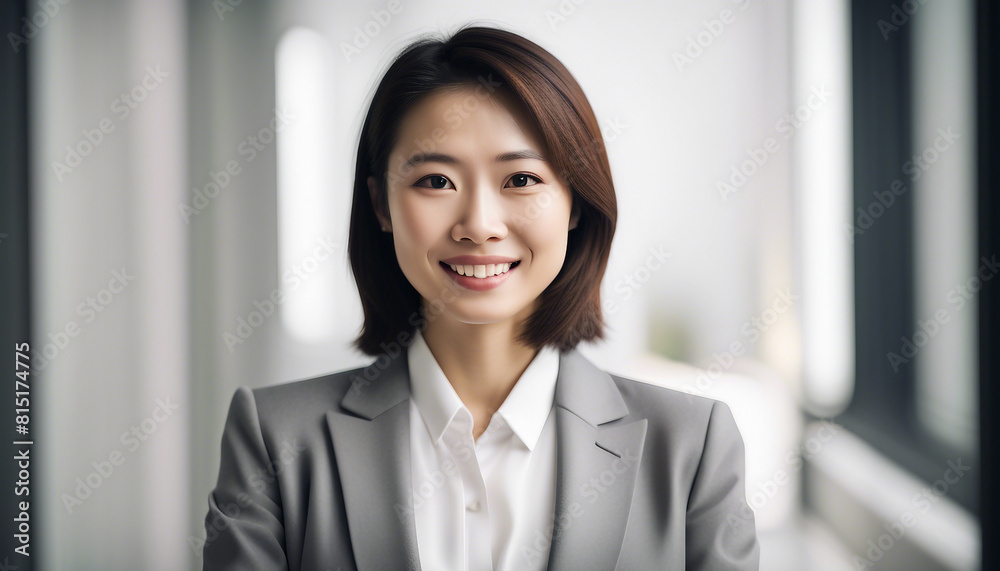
{"x": 681, "y": 420}
{"x": 662, "y": 403}
{"x": 314, "y": 394}
{"x": 295, "y": 409}
{"x": 698, "y": 450}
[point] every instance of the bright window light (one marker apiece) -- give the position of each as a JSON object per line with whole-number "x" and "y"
{"x": 306, "y": 256}
{"x": 824, "y": 189}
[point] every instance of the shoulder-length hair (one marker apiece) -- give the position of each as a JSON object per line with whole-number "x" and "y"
{"x": 570, "y": 307}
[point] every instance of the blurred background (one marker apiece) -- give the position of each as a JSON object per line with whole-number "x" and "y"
{"x": 801, "y": 234}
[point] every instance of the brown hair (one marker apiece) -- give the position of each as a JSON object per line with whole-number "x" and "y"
{"x": 570, "y": 307}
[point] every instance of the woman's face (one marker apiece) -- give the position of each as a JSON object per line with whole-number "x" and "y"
{"x": 468, "y": 181}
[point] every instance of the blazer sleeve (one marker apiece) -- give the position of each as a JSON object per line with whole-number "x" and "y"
{"x": 721, "y": 532}
{"x": 244, "y": 523}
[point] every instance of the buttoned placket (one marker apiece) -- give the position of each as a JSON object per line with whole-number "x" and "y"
{"x": 469, "y": 456}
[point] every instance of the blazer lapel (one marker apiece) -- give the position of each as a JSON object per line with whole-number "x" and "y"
{"x": 372, "y": 449}
{"x": 597, "y": 464}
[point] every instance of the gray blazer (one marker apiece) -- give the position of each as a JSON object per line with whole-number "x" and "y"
{"x": 315, "y": 475}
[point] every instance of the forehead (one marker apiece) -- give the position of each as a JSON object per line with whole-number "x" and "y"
{"x": 463, "y": 119}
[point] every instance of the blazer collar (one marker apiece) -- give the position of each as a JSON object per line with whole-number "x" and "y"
{"x": 523, "y": 412}
{"x": 372, "y": 450}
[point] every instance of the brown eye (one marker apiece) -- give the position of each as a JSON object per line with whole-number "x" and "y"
{"x": 437, "y": 181}
{"x": 520, "y": 180}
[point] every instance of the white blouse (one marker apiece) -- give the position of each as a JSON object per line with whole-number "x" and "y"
{"x": 486, "y": 504}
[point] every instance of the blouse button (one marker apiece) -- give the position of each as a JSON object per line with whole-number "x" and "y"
{"x": 474, "y": 506}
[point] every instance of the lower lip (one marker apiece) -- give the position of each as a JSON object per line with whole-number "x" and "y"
{"x": 477, "y": 284}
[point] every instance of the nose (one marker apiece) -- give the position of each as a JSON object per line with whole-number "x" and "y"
{"x": 482, "y": 215}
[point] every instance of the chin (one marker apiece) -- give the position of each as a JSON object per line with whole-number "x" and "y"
{"x": 481, "y": 315}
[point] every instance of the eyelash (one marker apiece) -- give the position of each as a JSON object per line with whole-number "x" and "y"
{"x": 539, "y": 181}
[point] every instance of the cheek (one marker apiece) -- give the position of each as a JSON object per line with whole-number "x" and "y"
{"x": 416, "y": 223}
{"x": 547, "y": 233}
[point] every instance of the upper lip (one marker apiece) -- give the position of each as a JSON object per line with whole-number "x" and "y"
{"x": 479, "y": 260}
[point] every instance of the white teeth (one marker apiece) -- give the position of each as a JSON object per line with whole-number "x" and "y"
{"x": 481, "y": 271}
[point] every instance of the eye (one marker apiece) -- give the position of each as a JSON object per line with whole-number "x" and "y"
{"x": 437, "y": 181}
{"x": 520, "y": 180}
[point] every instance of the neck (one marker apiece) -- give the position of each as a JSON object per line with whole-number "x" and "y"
{"x": 481, "y": 361}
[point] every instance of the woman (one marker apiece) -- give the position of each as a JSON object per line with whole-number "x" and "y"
{"x": 479, "y": 438}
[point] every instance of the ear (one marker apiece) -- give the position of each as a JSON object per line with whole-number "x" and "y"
{"x": 574, "y": 215}
{"x": 383, "y": 218}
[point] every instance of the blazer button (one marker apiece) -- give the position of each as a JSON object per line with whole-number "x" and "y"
{"x": 474, "y": 506}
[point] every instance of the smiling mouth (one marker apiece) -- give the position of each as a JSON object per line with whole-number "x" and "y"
{"x": 472, "y": 270}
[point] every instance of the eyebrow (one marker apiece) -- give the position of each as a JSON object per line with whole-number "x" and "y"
{"x": 441, "y": 158}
